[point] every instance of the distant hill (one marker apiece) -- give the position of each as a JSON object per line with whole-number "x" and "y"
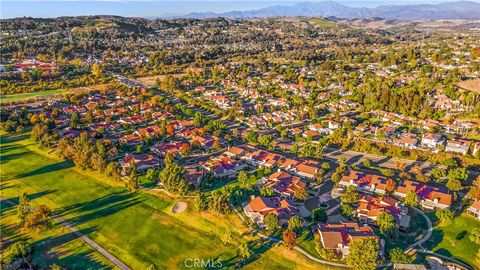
{"x": 451, "y": 10}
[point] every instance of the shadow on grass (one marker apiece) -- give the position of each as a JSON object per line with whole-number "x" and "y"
{"x": 10, "y": 157}
{"x": 12, "y": 202}
{"x": 13, "y": 138}
{"x": 258, "y": 248}
{"x": 52, "y": 250}
{"x": 101, "y": 207}
{"x": 8, "y": 148}
{"x": 47, "y": 169}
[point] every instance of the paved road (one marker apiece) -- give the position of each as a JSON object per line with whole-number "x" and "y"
{"x": 429, "y": 231}
{"x": 85, "y": 238}
{"x": 297, "y": 248}
{"x": 353, "y": 157}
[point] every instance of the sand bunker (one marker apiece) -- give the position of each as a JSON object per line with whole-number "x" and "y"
{"x": 179, "y": 207}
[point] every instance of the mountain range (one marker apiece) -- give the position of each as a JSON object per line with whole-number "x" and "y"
{"x": 449, "y": 10}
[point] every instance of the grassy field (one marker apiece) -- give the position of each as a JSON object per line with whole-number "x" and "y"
{"x": 51, "y": 92}
{"x": 452, "y": 239}
{"x": 139, "y": 229}
{"x": 24, "y": 96}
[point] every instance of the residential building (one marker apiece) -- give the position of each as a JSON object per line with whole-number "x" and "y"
{"x": 458, "y": 146}
{"x": 258, "y": 207}
{"x": 339, "y": 236}
{"x": 365, "y": 182}
{"x": 430, "y": 197}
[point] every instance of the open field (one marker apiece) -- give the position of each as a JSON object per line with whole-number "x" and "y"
{"x": 139, "y": 229}
{"x": 150, "y": 80}
{"x": 51, "y": 92}
{"x": 24, "y": 96}
{"x": 471, "y": 85}
{"x": 452, "y": 239}
{"x": 56, "y": 246}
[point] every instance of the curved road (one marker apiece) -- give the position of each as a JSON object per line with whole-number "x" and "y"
{"x": 429, "y": 232}
{"x": 297, "y": 248}
{"x": 85, "y": 238}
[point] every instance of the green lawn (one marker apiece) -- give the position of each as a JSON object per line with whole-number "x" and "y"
{"x": 139, "y": 229}
{"x": 23, "y": 96}
{"x": 57, "y": 245}
{"x": 452, "y": 239}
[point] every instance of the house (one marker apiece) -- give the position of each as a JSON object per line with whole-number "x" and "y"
{"x": 339, "y": 236}
{"x": 332, "y": 124}
{"x": 258, "y": 207}
{"x": 262, "y": 158}
{"x": 408, "y": 140}
{"x": 283, "y": 184}
{"x": 206, "y": 142}
{"x": 430, "y": 197}
{"x": 194, "y": 175}
{"x": 148, "y": 131}
{"x": 365, "y": 182}
{"x": 142, "y": 162}
{"x": 224, "y": 166}
{"x": 307, "y": 169}
{"x": 369, "y": 208}
{"x": 458, "y": 146}
{"x": 172, "y": 148}
{"x": 239, "y": 151}
{"x": 474, "y": 209}
{"x": 131, "y": 139}
{"x": 432, "y": 140}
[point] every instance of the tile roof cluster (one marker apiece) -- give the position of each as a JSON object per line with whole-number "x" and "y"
{"x": 283, "y": 183}
{"x": 425, "y": 192}
{"x": 371, "y": 207}
{"x": 284, "y": 209}
{"x": 339, "y": 235}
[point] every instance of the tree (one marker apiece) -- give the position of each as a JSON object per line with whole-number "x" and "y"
{"x": 350, "y": 196}
{"x": 458, "y": 174}
{"x": 266, "y": 192}
{"x": 319, "y": 215}
{"x": 411, "y": 199}
{"x": 245, "y": 251}
{"x": 23, "y": 208}
{"x": 363, "y": 254}
{"x": 133, "y": 183}
{"x": 444, "y": 215}
{"x": 295, "y": 224}
{"x": 201, "y": 202}
{"x": 17, "y": 250}
{"x": 390, "y": 186}
{"x": 475, "y": 235}
{"x": 173, "y": 176}
{"x": 397, "y": 255}
{"x": 271, "y": 221}
{"x": 97, "y": 70}
{"x": 243, "y": 177}
{"x": 454, "y": 184}
{"x": 289, "y": 237}
{"x": 347, "y": 210}
{"x": 386, "y": 223}
{"x": 220, "y": 201}
{"x": 74, "y": 120}
{"x": 89, "y": 117}
{"x": 39, "y": 219}
{"x": 367, "y": 163}
{"x": 300, "y": 194}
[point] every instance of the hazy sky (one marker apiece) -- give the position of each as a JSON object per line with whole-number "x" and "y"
{"x": 146, "y": 8}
